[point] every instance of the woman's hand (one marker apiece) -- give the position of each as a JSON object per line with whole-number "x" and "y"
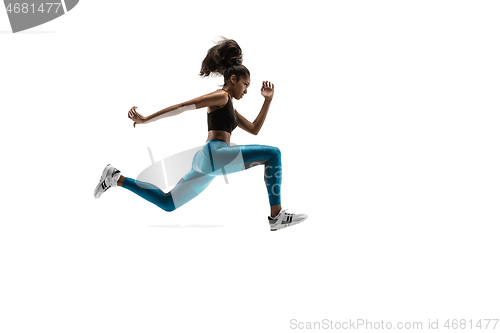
{"x": 267, "y": 90}
{"x": 136, "y": 116}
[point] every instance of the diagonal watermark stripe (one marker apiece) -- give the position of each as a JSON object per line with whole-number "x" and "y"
{"x": 26, "y": 14}
{"x": 178, "y": 165}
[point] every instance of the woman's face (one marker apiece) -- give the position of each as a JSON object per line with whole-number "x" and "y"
{"x": 240, "y": 87}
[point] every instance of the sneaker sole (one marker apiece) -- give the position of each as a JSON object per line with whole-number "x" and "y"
{"x": 283, "y": 226}
{"x": 103, "y": 177}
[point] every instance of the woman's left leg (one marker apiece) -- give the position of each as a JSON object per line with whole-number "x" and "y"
{"x": 230, "y": 159}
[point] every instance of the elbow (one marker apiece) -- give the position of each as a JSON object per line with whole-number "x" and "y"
{"x": 255, "y": 131}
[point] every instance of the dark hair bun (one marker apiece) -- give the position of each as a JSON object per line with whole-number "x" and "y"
{"x": 225, "y": 54}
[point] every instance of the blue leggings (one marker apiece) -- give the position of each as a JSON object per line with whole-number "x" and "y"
{"x": 214, "y": 159}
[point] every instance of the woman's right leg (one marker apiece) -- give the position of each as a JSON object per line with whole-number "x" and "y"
{"x": 192, "y": 184}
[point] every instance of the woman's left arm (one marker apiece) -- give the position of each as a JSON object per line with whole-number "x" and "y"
{"x": 254, "y": 127}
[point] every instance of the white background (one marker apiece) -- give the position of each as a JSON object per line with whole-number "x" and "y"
{"x": 387, "y": 116}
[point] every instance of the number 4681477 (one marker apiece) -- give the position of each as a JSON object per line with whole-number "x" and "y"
{"x": 30, "y": 8}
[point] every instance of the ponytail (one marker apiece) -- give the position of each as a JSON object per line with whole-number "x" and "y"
{"x": 225, "y": 58}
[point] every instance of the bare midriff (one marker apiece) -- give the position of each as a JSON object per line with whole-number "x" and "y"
{"x": 219, "y": 135}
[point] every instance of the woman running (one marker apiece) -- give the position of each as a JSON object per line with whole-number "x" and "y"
{"x": 217, "y": 157}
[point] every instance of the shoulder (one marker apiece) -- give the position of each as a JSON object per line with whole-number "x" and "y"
{"x": 219, "y": 99}
{"x": 214, "y": 99}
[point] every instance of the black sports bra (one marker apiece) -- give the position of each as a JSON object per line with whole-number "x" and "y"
{"x": 223, "y": 119}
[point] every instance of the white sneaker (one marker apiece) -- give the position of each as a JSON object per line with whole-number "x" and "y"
{"x": 109, "y": 178}
{"x": 283, "y": 220}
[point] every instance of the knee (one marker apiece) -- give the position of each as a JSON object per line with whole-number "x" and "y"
{"x": 168, "y": 204}
{"x": 168, "y": 208}
{"x": 274, "y": 160}
{"x": 276, "y": 152}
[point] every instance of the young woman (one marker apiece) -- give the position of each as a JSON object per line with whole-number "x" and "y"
{"x": 217, "y": 157}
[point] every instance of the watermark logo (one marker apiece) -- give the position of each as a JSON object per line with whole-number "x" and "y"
{"x": 176, "y": 166}
{"x": 24, "y": 15}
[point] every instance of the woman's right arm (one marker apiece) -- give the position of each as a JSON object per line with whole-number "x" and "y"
{"x": 212, "y": 99}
